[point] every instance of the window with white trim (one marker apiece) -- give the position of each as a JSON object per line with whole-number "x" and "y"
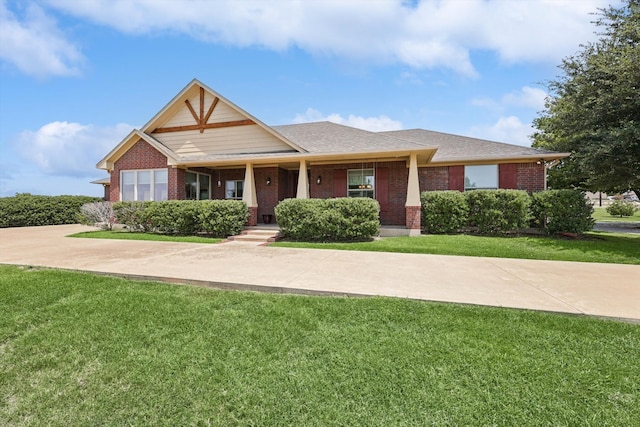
{"x": 197, "y": 186}
{"x": 234, "y": 189}
{"x": 144, "y": 185}
{"x": 481, "y": 177}
{"x": 361, "y": 183}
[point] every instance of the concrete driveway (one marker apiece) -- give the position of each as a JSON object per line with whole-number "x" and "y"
{"x": 571, "y": 287}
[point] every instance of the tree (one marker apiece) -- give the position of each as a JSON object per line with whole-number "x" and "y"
{"x": 593, "y": 110}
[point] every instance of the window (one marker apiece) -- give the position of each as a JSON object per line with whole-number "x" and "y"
{"x": 360, "y": 183}
{"x": 484, "y": 177}
{"x": 197, "y": 186}
{"x": 234, "y": 189}
{"x": 142, "y": 185}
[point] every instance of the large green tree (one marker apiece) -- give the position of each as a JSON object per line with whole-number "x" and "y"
{"x": 593, "y": 109}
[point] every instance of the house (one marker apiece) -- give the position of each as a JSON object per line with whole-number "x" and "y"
{"x": 202, "y": 146}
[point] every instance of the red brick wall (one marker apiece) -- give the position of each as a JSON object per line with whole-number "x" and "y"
{"x": 398, "y": 175}
{"x": 530, "y": 177}
{"x": 267, "y": 194}
{"x": 140, "y": 156}
{"x": 434, "y": 179}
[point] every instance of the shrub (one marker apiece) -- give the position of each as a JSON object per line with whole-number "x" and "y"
{"x": 222, "y": 218}
{"x": 620, "y": 208}
{"x": 173, "y": 216}
{"x": 342, "y": 219}
{"x": 557, "y": 211}
{"x": 25, "y": 210}
{"x": 133, "y": 215}
{"x": 498, "y": 211}
{"x": 99, "y": 214}
{"x": 443, "y": 211}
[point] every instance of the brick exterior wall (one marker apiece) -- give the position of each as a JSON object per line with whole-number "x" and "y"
{"x": 531, "y": 177}
{"x": 398, "y": 176}
{"x": 140, "y": 156}
{"x": 434, "y": 179}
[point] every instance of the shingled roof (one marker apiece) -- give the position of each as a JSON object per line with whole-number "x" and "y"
{"x": 456, "y": 148}
{"x": 328, "y": 137}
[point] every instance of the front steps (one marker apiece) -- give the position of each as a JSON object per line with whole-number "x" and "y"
{"x": 259, "y": 235}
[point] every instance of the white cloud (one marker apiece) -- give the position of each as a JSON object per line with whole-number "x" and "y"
{"x": 526, "y": 97}
{"x": 373, "y": 124}
{"x": 35, "y": 45}
{"x": 69, "y": 149}
{"x": 507, "y": 129}
{"x": 429, "y": 34}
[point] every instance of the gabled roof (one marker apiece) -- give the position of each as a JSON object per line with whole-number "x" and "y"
{"x": 107, "y": 161}
{"x": 189, "y": 90}
{"x": 463, "y": 149}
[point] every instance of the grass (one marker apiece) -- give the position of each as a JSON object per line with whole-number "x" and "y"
{"x": 600, "y": 214}
{"x": 78, "y": 349}
{"x": 596, "y": 247}
{"x": 128, "y": 235}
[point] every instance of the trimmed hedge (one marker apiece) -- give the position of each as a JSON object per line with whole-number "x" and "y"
{"x": 341, "y": 219}
{"x": 219, "y": 218}
{"x": 558, "y": 211}
{"x": 443, "y": 211}
{"x": 26, "y": 210}
{"x": 498, "y": 211}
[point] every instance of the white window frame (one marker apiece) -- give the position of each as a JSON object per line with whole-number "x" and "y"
{"x": 363, "y": 172}
{"x": 152, "y": 173}
{"x": 235, "y": 188}
{"x": 497, "y": 177}
{"x": 198, "y": 178}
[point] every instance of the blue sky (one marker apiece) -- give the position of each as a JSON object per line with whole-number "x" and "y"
{"x": 77, "y": 76}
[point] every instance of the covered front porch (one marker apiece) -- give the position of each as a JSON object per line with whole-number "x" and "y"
{"x": 392, "y": 181}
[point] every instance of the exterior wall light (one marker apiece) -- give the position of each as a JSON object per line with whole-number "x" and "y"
{"x": 319, "y": 180}
{"x": 269, "y": 181}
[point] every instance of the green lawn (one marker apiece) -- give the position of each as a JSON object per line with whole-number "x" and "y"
{"x": 600, "y": 214}
{"x": 595, "y": 247}
{"x": 128, "y": 235}
{"x": 78, "y": 349}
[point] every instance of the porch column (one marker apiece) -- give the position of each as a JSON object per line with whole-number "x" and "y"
{"x": 303, "y": 182}
{"x": 249, "y": 195}
{"x": 413, "y": 206}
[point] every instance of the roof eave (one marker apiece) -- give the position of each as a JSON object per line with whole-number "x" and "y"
{"x": 493, "y": 159}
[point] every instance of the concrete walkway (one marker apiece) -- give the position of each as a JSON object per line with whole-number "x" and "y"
{"x": 582, "y": 288}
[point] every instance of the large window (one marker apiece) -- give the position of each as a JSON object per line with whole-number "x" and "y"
{"x": 484, "y": 177}
{"x": 197, "y": 185}
{"x": 234, "y": 189}
{"x": 143, "y": 185}
{"x": 361, "y": 183}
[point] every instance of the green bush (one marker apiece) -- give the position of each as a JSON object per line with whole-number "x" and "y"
{"x": 173, "y": 216}
{"x": 26, "y": 210}
{"x": 133, "y": 215}
{"x": 620, "y": 208}
{"x": 443, "y": 211}
{"x": 222, "y": 218}
{"x": 498, "y": 211}
{"x": 557, "y": 211}
{"x": 341, "y": 219}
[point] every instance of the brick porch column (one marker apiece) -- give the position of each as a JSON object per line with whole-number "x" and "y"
{"x": 413, "y": 206}
{"x": 249, "y": 195}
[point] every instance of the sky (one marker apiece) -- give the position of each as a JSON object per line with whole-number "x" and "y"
{"x": 76, "y": 76}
